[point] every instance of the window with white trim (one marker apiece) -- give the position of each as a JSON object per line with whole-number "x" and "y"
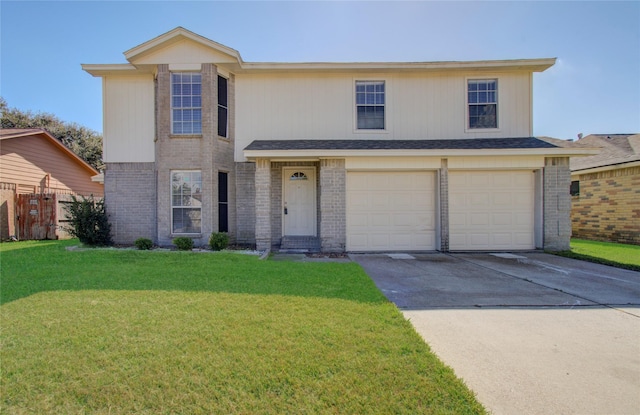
{"x": 186, "y": 201}
{"x": 370, "y": 102}
{"x": 482, "y": 98}
{"x": 186, "y": 103}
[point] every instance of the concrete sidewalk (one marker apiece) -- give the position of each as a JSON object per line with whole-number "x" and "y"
{"x": 529, "y": 333}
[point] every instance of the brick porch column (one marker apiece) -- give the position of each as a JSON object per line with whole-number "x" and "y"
{"x": 557, "y": 204}
{"x": 333, "y": 205}
{"x": 444, "y": 205}
{"x": 263, "y": 204}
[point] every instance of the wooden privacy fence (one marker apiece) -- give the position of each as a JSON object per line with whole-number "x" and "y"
{"x": 41, "y": 216}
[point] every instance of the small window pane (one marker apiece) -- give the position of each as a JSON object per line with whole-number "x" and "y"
{"x": 222, "y": 121}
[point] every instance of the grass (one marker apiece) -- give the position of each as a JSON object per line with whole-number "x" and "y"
{"x": 112, "y": 331}
{"x": 607, "y": 253}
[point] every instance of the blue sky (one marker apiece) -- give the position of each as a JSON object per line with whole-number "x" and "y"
{"x": 593, "y": 88}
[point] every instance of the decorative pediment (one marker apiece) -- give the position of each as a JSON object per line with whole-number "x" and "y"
{"x": 180, "y": 46}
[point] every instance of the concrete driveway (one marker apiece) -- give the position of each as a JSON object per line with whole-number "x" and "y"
{"x": 530, "y": 333}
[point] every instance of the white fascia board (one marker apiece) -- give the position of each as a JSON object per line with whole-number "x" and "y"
{"x": 99, "y": 70}
{"x": 319, "y": 154}
{"x": 532, "y": 65}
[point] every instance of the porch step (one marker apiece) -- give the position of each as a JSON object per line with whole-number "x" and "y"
{"x": 300, "y": 244}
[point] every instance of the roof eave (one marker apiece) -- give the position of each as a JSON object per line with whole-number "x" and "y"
{"x": 101, "y": 70}
{"x": 531, "y": 65}
{"x": 554, "y": 152}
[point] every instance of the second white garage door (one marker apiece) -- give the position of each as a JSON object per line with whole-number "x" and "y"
{"x": 491, "y": 210}
{"x": 390, "y": 211}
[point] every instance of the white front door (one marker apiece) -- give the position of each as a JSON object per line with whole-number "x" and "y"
{"x": 299, "y": 201}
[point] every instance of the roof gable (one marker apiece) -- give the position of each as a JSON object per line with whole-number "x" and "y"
{"x": 181, "y": 46}
{"x": 15, "y": 133}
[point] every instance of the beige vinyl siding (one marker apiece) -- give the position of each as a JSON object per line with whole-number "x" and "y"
{"x": 184, "y": 51}
{"x": 129, "y": 119}
{"x": 418, "y": 106}
{"x": 26, "y": 161}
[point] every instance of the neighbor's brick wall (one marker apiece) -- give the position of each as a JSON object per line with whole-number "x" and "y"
{"x": 130, "y": 200}
{"x": 333, "y": 205}
{"x": 557, "y": 204}
{"x": 608, "y": 207}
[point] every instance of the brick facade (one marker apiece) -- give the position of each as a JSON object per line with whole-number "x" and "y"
{"x": 149, "y": 184}
{"x": 557, "y": 204}
{"x": 130, "y": 200}
{"x": 205, "y": 152}
{"x": 245, "y": 200}
{"x": 608, "y": 207}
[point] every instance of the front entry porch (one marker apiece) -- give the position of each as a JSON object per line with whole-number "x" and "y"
{"x": 300, "y": 205}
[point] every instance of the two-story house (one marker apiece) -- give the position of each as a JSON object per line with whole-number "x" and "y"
{"x": 334, "y": 156}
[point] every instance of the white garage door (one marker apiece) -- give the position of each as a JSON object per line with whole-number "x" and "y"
{"x": 390, "y": 211}
{"x": 491, "y": 210}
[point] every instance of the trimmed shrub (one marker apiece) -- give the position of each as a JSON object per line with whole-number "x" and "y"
{"x": 88, "y": 221}
{"x": 143, "y": 244}
{"x": 183, "y": 243}
{"x": 219, "y": 241}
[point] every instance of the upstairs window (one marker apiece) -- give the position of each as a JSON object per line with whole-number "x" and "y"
{"x": 223, "y": 109}
{"x": 186, "y": 103}
{"x": 370, "y": 103}
{"x": 482, "y": 98}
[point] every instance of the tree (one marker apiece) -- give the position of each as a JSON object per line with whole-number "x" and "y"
{"x": 83, "y": 141}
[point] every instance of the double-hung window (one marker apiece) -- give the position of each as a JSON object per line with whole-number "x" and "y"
{"x": 186, "y": 103}
{"x": 370, "y": 103}
{"x": 482, "y": 98}
{"x": 223, "y": 106}
{"x": 186, "y": 201}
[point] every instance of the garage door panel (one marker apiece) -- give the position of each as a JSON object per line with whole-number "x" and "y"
{"x": 491, "y": 210}
{"x": 394, "y": 211}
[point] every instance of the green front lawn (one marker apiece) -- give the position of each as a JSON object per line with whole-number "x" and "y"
{"x": 113, "y": 331}
{"x": 607, "y": 253}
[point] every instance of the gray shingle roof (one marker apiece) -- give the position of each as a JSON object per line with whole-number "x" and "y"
{"x": 457, "y": 144}
{"x": 615, "y": 149}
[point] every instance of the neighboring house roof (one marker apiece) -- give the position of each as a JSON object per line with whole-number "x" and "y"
{"x": 14, "y": 133}
{"x": 434, "y": 147}
{"x": 139, "y": 60}
{"x": 616, "y": 149}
